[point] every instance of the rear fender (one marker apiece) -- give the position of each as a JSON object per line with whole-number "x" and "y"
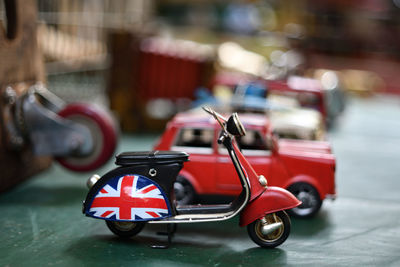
{"x": 273, "y": 199}
{"x": 127, "y": 197}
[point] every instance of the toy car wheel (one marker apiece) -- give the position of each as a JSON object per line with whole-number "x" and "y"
{"x": 309, "y": 196}
{"x": 103, "y": 132}
{"x": 270, "y": 231}
{"x": 125, "y": 229}
{"x": 184, "y": 191}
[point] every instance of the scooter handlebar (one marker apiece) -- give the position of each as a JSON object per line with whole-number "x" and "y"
{"x": 218, "y": 117}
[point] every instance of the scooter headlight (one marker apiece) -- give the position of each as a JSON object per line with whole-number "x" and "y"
{"x": 234, "y": 126}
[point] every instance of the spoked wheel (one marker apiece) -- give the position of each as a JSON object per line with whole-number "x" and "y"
{"x": 308, "y": 195}
{"x": 125, "y": 229}
{"x": 271, "y": 230}
{"x": 103, "y": 133}
{"x": 184, "y": 192}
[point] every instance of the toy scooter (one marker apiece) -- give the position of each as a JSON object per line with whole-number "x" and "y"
{"x": 81, "y": 137}
{"x": 140, "y": 191}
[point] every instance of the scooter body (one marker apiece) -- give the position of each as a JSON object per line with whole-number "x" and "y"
{"x": 264, "y": 199}
{"x": 141, "y": 191}
{"x": 144, "y": 184}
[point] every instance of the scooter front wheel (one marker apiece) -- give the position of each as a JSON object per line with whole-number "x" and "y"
{"x": 125, "y": 229}
{"x": 271, "y": 230}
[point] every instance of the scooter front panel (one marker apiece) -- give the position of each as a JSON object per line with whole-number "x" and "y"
{"x": 129, "y": 198}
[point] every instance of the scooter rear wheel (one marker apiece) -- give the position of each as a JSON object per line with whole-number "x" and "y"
{"x": 125, "y": 229}
{"x": 274, "y": 237}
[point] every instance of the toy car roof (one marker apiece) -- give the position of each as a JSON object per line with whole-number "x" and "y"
{"x": 296, "y": 83}
{"x": 199, "y": 118}
{"x": 293, "y": 83}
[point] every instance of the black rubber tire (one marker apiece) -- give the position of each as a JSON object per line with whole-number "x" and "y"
{"x": 125, "y": 229}
{"x": 184, "y": 191}
{"x": 307, "y": 194}
{"x": 275, "y": 238}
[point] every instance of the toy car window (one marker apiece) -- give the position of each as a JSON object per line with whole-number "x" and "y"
{"x": 199, "y": 140}
{"x": 251, "y": 144}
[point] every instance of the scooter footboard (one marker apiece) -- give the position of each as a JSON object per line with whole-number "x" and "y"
{"x": 273, "y": 199}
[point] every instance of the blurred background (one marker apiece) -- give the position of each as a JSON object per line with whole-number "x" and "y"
{"x": 147, "y": 59}
{"x": 314, "y": 67}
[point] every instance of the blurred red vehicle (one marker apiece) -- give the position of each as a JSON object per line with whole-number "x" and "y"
{"x": 310, "y": 93}
{"x": 306, "y": 168}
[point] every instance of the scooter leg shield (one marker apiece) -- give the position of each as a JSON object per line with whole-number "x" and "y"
{"x": 273, "y": 199}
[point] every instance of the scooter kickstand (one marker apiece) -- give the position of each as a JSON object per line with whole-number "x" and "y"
{"x": 171, "y": 229}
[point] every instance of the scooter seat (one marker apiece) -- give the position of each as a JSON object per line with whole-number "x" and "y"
{"x": 151, "y": 157}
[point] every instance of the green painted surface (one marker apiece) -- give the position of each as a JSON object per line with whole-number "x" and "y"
{"x": 42, "y": 223}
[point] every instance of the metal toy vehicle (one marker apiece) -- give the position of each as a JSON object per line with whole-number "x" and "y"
{"x": 81, "y": 137}
{"x": 288, "y": 118}
{"x": 329, "y": 101}
{"x": 305, "y": 168}
{"x": 141, "y": 191}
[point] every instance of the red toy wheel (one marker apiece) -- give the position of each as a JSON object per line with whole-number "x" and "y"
{"x": 103, "y": 131}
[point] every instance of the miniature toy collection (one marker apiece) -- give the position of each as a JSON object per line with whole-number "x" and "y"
{"x": 141, "y": 190}
{"x": 233, "y": 126}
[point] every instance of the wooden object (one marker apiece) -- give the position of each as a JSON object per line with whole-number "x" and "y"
{"x": 21, "y": 66}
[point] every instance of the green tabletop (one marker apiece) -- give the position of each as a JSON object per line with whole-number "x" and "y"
{"x": 42, "y": 223}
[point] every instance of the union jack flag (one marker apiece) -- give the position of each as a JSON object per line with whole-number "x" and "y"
{"x": 130, "y": 197}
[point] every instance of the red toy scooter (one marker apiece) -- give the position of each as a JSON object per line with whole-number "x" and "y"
{"x": 140, "y": 191}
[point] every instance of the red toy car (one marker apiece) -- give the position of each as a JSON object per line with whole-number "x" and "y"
{"x": 306, "y": 168}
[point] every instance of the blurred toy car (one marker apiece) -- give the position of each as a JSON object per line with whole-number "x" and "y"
{"x": 329, "y": 101}
{"x": 288, "y": 119}
{"x": 306, "y": 168}
{"x": 326, "y": 97}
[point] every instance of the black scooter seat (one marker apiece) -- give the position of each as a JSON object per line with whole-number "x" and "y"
{"x": 151, "y": 157}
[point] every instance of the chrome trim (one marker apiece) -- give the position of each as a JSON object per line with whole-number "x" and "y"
{"x": 152, "y": 172}
{"x": 238, "y": 124}
{"x": 269, "y": 228}
{"x": 195, "y": 218}
{"x": 92, "y": 180}
{"x": 262, "y": 180}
